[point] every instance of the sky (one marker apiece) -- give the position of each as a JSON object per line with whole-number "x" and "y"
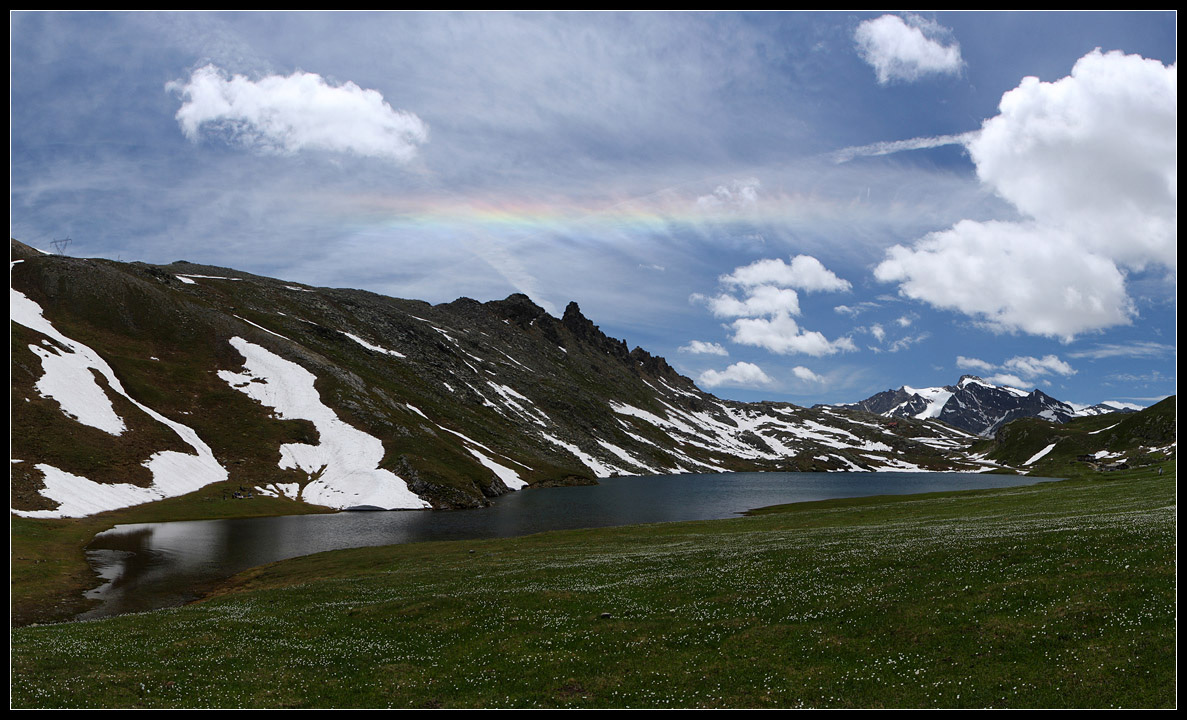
{"x": 806, "y": 207}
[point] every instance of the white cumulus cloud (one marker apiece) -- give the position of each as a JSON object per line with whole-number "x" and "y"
{"x": 761, "y": 300}
{"x": 700, "y": 347}
{"x": 288, "y": 114}
{"x": 804, "y": 373}
{"x": 764, "y": 314}
{"x": 1013, "y": 276}
{"x": 804, "y": 272}
{"x": 967, "y": 363}
{"x": 906, "y": 48}
{"x": 782, "y": 334}
{"x": 1008, "y": 380}
{"x": 740, "y": 374}
{"x": 1090, "y": 161}
{"x": 1093, "y": 153}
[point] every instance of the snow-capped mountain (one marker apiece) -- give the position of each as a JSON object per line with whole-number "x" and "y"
{"x": 1104, "y": 408}
{"x": 977, "y": 406}
{"x": 133, "y": 383}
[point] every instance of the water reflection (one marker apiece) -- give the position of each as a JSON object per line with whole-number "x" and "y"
{"x": 155, "y": 565}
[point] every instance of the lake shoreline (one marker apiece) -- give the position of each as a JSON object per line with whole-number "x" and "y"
{"x": 1058, "y": 594}
{"x": 51, "y": 575}
{"x": 156, "y": 565}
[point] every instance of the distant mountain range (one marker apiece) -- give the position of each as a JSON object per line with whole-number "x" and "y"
{"x": 134, "y": 382}
{"x": 977, "y": 406}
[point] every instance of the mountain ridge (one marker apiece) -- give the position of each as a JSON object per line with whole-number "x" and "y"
{"x": 975, "y": 405}
{"x": 132, "y": 382}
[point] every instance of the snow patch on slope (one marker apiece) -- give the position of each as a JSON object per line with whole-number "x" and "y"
{"x": 1039, "y": 455}
{"x": 516, "y": 402}
{"x": 73, "y": 385}
{"x": 628, "y": 458}
{"x": 509, "y": 476}
{"x": 369, "y": 346}
{"x": 68, "y": 366}
{"x": 599, "y": 468}
{"x": 77, "y": 496}
{"x": 69, "y": 381}
{"x": 344, "y": 465}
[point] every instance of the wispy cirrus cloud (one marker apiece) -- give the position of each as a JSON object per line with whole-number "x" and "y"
{"x": 907, "y": 341}
{"x": 1139, "y": 349}
{"x": 1018, "y": 371}
{"x": 897, "y": 344}
{"x": 1032, "y": 366}
{"x": 893, "y": 146}
{"x": 855, "y": 310}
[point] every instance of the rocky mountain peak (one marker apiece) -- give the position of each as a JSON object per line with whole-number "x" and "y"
{"x": 517, "y": 308}
{"x": 583, "y": 329}
{"x": 972, "y": 404}
{"x": 577, "y": 323}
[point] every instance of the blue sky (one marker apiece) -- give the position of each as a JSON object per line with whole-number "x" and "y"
{"x": 809, "y": 207}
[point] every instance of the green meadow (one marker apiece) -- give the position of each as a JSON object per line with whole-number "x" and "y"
{"x": 1061, "y": 594}
{"x": 48, "y": 570}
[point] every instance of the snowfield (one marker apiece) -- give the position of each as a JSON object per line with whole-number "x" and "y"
{"x": 1039, "y": 455}
{"x": 69, "y": 379}
{"x": 344, "y": 465}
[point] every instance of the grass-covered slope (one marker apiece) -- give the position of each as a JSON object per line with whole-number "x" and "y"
{"x": 1054, "y": 595}
{"x": 1087, "y": 446}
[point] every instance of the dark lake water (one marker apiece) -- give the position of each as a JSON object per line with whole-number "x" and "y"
{"x": 156, "y": 565}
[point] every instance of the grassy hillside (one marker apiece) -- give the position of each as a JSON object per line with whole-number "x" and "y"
{"x": 1055, "y": 595}
{"x": 463, "y": 401}
{"x": 1133, "y": 439}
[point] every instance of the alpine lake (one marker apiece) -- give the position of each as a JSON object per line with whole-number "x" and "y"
{"x": 149, "y": 566}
